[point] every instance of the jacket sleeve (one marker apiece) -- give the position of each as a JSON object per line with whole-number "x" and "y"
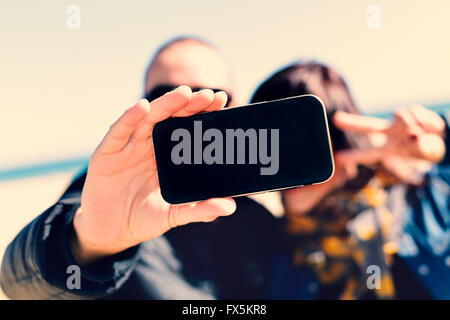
{"x": 38, "y": 264}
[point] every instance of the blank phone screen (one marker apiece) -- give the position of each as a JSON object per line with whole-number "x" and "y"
{"x": 236, "y": 151}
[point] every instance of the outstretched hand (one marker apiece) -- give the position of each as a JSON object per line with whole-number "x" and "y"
{"x": 415, "y": 132}
{"x": 121, "y": 203}
{"x": 412, "y": 139}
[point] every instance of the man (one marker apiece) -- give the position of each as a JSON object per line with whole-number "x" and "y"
{"x": 111, "y": 220}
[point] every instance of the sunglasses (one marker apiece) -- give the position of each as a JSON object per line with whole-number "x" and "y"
{"x": 159, "y": 91}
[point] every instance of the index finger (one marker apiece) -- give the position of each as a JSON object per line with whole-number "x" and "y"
{"x": 120, "y": 131}
{"x": 165, "y": 106}
{"x": 162, "y": 108}
{"x": 429, "y": 120}
{"x": 358, "y": 123}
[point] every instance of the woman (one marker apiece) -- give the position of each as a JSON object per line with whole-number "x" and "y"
{"x": 347, "y": 231}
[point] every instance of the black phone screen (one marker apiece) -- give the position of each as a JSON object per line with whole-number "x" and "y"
{"x": 259, "y": 147}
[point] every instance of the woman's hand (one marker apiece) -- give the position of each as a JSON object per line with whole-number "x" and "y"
{"x": 415, "y": 132}
{"x": 411, "y": 141}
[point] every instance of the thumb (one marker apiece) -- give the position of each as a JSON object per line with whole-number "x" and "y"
{"x": 202, "y": 211}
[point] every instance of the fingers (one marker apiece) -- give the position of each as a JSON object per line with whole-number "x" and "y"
{"x": 165, "y": 106}
{"x": 430, "y": 147}
{"x": 203, "y": 211}
{"x": 363, "y": 124}
{"x": 363, "y": 157}
{"x": 220, "y": 99}
{"x": 120, "y": 132}
{"x": 200, "y": 100}
{"x": 405, "y": 118}
{"x": 408, "y": 170}
{"x": 162, "y": 108}
{"x": 138, "y": 121}
{"x": 424, "y": 128}
{"x": 204, "y": 100}
{"x": 429, "y": 120}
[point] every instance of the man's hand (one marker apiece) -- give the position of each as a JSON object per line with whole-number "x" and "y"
{"x": 121, "y": 203}
{"x": 415, "y": 132}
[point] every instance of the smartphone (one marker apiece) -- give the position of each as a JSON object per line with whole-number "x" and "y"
{"x": 238, "y": 151}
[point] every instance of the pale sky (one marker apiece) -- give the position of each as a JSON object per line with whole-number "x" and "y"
{"x": 61, "y": 88}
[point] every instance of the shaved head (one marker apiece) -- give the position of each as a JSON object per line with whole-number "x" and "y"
{"x": 191, "y": 62}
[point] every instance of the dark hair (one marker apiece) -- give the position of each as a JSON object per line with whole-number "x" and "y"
{"x": 322, "y": 81}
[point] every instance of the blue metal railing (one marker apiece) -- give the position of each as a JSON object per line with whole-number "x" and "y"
{"x": 44, "y": 168}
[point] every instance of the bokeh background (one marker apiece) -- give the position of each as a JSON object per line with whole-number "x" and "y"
{"x": 60, "y": 88}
